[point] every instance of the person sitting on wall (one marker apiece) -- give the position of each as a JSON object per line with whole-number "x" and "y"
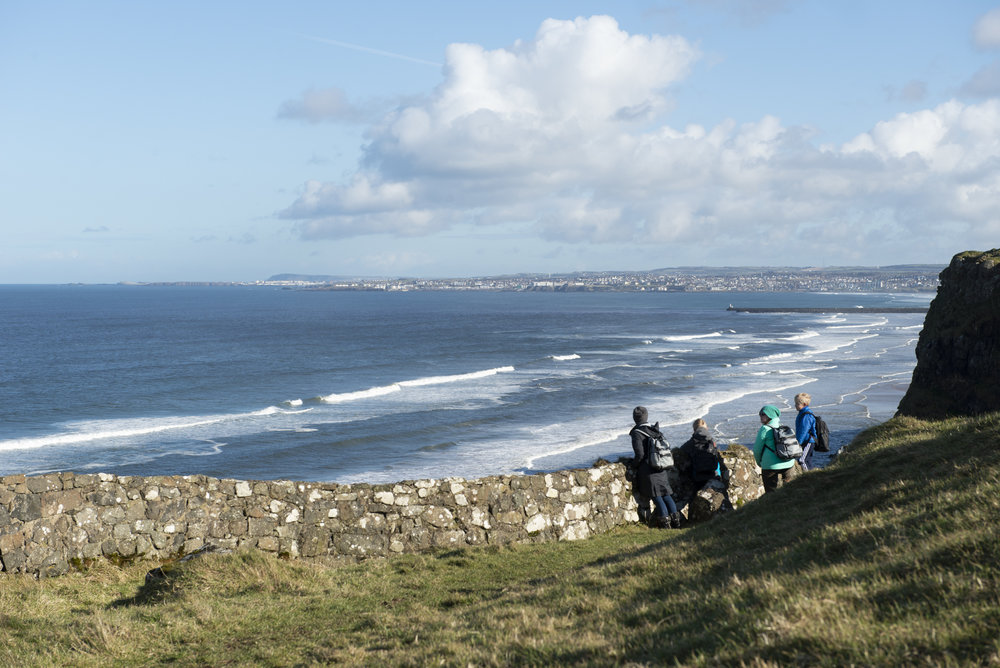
{"x": 652, "y": 484}
{"x": 702, "y": 462}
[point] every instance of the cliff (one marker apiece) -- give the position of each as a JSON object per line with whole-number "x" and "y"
{"x": 958, "y": 353}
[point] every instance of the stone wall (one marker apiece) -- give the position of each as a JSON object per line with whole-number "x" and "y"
{"x": 53, "y": 522}
{"x": 958, "y": 353}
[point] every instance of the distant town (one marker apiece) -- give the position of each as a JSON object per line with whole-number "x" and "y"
{"x": 898, "y": 278}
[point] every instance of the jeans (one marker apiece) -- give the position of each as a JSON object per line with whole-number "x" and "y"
{"x": 665, "y": 504}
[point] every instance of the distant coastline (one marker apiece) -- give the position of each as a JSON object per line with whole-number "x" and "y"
{"x": 888, "y": 279}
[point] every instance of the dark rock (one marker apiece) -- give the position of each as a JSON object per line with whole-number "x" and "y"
{"x": 958, "y": 353}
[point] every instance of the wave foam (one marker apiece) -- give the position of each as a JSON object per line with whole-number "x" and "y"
{"x": 692, "y": 337}
{"x": 383, "y": 390}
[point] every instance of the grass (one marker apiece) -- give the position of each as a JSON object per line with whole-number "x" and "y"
{"x": 889, "y": 557}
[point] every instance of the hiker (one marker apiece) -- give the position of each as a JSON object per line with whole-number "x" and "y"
{"x": 703, "y": 463}
{"x": 805, "y": 429}
{"x": 774, "y": 470}
{"x": 653, "y": 485}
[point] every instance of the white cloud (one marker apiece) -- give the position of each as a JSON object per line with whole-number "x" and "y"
{"x": 566, "y": 133}
{"x": 986, "y": 32}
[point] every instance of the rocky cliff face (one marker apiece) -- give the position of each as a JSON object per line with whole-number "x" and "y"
{"x": 958, "y": 354}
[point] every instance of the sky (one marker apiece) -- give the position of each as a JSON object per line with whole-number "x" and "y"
{"x": 232, "y": 141}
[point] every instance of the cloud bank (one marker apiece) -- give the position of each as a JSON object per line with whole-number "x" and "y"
{"x": 569, "y": 134}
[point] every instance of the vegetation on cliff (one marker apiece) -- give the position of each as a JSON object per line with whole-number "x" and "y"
{"x": 890, "y": 556}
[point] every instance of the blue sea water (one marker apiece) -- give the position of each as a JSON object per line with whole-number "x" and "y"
{"x": 264, "y": 383}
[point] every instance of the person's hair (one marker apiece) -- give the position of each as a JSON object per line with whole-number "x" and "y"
{"x": 640, "y": 414}
{"x": 699, "y": 423}
{"x": 803, "y": 398}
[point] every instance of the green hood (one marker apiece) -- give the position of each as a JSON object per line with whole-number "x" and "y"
{"x": 770, "y": 411}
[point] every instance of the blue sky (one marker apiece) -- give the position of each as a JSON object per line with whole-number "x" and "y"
{"x": 144, "y": 141}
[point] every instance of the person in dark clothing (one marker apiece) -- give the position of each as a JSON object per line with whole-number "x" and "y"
{"x": 703, "y": 463}
{"x": 653, "y": 485}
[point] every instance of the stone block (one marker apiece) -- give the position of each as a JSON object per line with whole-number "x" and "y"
{"x": 537, "y": 523}
{"x": 313, "y": 542}
{"x": 575, "y": 531}
{"x": 438, "y": 516}
{"x": 11, "y": 541}
{"x": 261, "y": 526}
{"x": 576, "y": 511}
{"x": 509, "y": 517}
{"x": 360, "y": 545}
{"x": 135, "y": 509}
{"x": 14, "y": 561}
{"x": 46, "y": 483}
{"x": 143, "y": 545}
{"x": 112, "y": 515}
{"x": 705, "y": 504}
{"x": 54, "y": 503}
{"x": 268, "y": 543}
{"x": 26, "y": 507}
{"x": 448, "y": 538}
{"x": 315, "y": 514}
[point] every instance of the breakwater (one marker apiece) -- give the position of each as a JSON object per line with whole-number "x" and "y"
{"x": 856, "y": 309}
{"x": 53, "y": 522}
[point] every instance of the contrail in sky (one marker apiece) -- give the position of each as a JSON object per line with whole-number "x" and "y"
{"x": 377, "y": 52}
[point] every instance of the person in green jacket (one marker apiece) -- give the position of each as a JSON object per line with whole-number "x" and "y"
{"x": 773, "y": 469}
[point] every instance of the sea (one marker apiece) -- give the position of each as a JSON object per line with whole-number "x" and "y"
{"x": 262, "y": 383}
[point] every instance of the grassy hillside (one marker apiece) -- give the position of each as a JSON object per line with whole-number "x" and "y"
{"x": 890, "y": 557}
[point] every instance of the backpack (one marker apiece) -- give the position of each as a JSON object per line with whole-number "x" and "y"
{"x": 704, "y": 463}
{"x": 658, "y": 454}
{"x": 822, "y": 435}
{"x": 785, "y": 445}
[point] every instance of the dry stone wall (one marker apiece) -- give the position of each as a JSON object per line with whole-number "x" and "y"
{"x": 53, "y": 522}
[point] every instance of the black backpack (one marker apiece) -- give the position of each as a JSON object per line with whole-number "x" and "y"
{"x": 704, "y": 462}
{"x": 822, "y": 435}
{"x": 785, "y": 444}
{"x": 658, "y": 454}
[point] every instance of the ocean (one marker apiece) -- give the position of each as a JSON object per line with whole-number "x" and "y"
{"x": 260, "y": 382}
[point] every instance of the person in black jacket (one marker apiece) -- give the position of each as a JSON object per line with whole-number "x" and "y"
{"x": 653, "y": 485}
{"x": 702, "y": 462}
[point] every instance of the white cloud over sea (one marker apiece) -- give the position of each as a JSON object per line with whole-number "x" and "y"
{"x": 569, "y": 134}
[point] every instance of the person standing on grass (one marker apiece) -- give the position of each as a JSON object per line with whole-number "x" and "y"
{"x": 805, "y": 429}
{"x": 774, "y": 470}
{"x": 652, "y": 484}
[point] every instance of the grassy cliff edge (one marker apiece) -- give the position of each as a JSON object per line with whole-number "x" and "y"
{"x": 890, "y": 556}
